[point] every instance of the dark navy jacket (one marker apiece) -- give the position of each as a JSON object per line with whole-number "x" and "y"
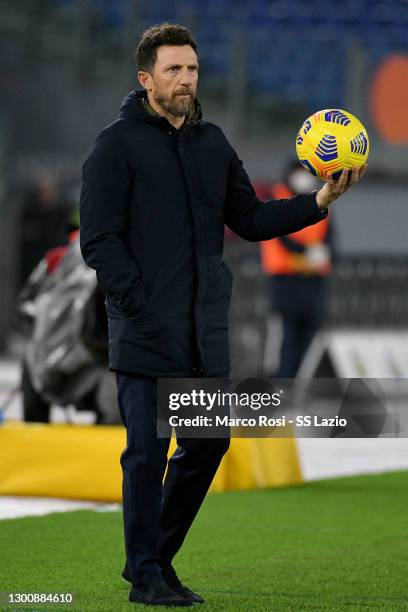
{"x": 154, "y": 202}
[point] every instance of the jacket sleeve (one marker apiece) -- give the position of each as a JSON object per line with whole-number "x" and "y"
{"x": 293, "y": 246}
{"x": 255, "y": 220}
{"x": 104, "y": 203}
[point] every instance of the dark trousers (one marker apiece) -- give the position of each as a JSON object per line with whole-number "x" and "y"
{"x": 296, "y": 340}
{"x": 157, "y": 515}
{"x": 301, "y": 303}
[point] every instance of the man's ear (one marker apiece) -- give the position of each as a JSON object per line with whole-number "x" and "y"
{"x": 145, "y": 80}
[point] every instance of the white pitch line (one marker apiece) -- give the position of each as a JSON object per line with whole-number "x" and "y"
{"x": 333, "y": 458}
{"x": 18, "y": 507}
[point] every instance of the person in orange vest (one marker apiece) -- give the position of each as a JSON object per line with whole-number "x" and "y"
{"x": 297, "y": 266}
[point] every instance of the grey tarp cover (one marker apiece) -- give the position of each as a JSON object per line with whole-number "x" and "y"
{"x": 62, "y": 367}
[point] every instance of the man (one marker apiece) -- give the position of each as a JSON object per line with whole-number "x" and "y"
{"x": 157, "y": 189}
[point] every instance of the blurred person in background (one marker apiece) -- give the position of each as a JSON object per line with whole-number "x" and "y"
{"x": 157, "y": 189}
{"x": 297, "y": 266}
{"x": 44, "y": 215}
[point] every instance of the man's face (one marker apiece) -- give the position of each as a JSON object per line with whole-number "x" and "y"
{"x": 173, "y": 81}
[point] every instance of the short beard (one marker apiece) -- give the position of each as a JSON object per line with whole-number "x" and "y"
{"x": 175, "y": 105}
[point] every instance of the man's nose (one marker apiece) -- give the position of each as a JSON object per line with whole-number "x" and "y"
{"x": 186, "y": 77}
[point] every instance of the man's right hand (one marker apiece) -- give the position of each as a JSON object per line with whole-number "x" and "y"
{"x": 332, "y": 190}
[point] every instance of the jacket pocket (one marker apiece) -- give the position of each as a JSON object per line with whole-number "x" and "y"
{"x": 129, "y": 307}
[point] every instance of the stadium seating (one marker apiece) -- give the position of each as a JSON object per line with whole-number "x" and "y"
{"x": 296, "y": 50}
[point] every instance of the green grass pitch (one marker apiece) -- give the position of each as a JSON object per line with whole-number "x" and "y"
{"x": 330, "y": 545}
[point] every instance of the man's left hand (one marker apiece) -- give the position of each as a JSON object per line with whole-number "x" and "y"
{"x": 332, "y": 190}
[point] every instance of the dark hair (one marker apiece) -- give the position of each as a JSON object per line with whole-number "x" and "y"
{"x": 158, "y": 35}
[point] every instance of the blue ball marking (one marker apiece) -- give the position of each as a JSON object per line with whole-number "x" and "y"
{"x": 336, "y": 116}
{"x": 359, "y": 144}
{"x": 308, "y": 166}
{"x": 337, "y": 175}
{"x": 307, "y": 126}
{"x": 326, "y": 150}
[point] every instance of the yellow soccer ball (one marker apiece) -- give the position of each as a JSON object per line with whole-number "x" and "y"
{"x": 331, "y": 140}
